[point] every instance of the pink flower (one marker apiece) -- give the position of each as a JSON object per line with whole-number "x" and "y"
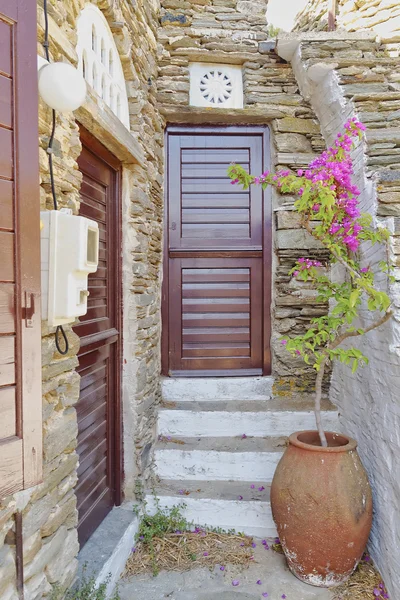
{"x": 205, "y": 553}
{"x": 284, "y": 342}
{"x": 222, "y": 568}
{"x": 296, "y": 273}
{"x": 235, "y": 582}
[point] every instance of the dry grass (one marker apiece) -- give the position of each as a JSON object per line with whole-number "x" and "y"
{"x": 183, "y": 551}
{"x": 362, "y": 584}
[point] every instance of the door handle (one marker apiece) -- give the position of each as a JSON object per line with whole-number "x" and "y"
{"x": 28, "y": 310}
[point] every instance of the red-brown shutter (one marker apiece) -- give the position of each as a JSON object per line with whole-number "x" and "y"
{"x": 20, "y": 361}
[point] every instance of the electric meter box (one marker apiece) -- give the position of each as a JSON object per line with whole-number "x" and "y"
{"x": 69, "y": 252}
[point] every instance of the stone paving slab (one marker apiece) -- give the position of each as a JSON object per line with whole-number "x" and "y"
{"x": 203, "y": 584}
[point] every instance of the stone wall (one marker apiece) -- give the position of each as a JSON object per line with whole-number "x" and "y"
{"x": 235, "y": 32}
{"x": 382, "y": 16}
{"x": 344, "y": 75}
{"x": 49, "y": 514}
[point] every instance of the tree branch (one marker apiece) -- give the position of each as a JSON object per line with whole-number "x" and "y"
{"x": 348, "y": 334}
{"x": 317, "y": 402}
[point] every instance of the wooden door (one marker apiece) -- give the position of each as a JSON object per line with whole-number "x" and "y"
{"x": 98, "y": 409}
{"x": 218, "y": 256}
{"x": 20, "y": 353}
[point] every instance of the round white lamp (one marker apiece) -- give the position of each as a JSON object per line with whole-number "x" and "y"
{"x": 62, "y": 87}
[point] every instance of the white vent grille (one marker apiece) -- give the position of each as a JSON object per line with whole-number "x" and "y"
{"x": 219, "y": 86}
{"x": 99, "y": 61}
{"x": 216, "y": 86}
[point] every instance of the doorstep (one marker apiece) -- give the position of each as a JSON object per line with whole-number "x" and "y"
{"x": 105, "y": 553}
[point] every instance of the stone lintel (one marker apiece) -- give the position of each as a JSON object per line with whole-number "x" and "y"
{"x": 198, "y": 115}
{"x": 106, "y": 126}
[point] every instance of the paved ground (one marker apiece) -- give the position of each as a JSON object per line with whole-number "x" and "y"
{"x": 202, "y": 584}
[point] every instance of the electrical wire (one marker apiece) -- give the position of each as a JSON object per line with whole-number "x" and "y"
{"x": 59, "y": 330}
{"x": 49, "y": 150}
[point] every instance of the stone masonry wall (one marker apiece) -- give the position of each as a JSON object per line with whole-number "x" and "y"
{"x": 235, "y": 32}
{"x": 344, "y": 75}
{"x": 49, "y": 514}
{"x": 382, "y": 16}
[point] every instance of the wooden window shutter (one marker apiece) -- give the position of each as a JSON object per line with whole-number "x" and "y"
{"x": 20, "y": 352}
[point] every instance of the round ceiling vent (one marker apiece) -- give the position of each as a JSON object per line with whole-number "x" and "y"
{"x": 216, "y": 87}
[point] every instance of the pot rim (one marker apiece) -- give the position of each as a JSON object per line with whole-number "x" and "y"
{"x": 349, "y": 446}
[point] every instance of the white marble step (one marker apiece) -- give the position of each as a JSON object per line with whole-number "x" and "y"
{"x": 199, "y": 422}
{"x": 217, "y": 504}
{"x": 222, "y": 458}
{"x": 216, "y": 388}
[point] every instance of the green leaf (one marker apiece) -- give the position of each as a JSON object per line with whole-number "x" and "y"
{"x": 354, "y": 297}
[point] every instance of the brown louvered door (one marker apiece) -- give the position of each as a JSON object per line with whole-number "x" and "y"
{"x": 20, "y": 358}
{"x": 219, "y": 257}
{"x": 99, "y": 357}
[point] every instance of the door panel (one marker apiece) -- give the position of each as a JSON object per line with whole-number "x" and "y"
{"x": 216, "y": 255}
{"x": 216, "y": 324}
{"x": 99, "y": 358}
{"x": 20, "y": 357}
{"x": 205, "y": 210}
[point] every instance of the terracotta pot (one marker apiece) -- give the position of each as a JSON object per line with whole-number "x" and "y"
{"x": 322, "y": 506}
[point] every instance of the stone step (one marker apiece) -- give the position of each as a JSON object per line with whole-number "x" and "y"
{"x": 202, "y": 420}
{"x": 216, "y": 388}
{"x": 218, "y": 504}
{"x": 219, "y": 459}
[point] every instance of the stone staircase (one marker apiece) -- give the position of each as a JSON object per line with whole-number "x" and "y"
{"x": 220, "y": 440}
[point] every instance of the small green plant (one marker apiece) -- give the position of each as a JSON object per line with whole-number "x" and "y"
{"x": 163, "y": 522}
{"x": 86, "y": 589}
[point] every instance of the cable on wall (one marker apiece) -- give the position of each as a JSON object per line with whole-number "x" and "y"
{"x": 59, "y": 330}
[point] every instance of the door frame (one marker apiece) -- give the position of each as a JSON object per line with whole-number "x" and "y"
{"x": 94, "y": 145}
{"x": 264, "y": 130}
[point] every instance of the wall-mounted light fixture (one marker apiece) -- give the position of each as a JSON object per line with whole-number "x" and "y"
{"x": 61, "y": 86}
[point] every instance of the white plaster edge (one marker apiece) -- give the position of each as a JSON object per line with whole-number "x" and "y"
{"x": 115, "y": 565}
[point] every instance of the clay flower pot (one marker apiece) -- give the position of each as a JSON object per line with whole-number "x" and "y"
{"x": 322, "y": 506}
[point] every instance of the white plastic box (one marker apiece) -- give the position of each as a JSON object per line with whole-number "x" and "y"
{"x": 69, "y": 252}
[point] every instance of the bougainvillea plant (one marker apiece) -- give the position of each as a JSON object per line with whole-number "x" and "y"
{"x": 327, "y": 202}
